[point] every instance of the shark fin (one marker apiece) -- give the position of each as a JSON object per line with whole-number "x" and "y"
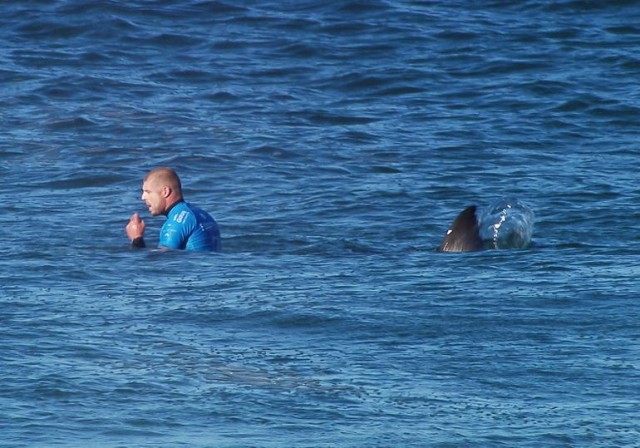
{"x": 463, "y": 236}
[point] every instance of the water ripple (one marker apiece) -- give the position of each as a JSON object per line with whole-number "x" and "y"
{"x": 334, "y": 143}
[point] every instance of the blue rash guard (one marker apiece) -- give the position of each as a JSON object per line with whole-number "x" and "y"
{"x": 188, "y": 227}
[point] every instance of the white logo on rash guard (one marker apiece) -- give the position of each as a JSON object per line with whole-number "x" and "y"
{"x": 180, "y": 218}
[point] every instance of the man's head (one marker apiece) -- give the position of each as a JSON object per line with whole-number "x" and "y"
{"x": 161, "y": 188}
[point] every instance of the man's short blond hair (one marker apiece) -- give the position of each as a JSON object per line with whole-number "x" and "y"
{"x": 165, "y": 176}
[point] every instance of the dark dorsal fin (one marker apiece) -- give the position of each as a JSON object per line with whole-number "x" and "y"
{"x": 463, "y": 235}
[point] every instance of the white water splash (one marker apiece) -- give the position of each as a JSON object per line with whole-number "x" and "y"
{"x": 506, "y": 223}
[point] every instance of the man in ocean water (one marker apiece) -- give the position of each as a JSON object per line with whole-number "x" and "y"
{"x": 186, "y": 227}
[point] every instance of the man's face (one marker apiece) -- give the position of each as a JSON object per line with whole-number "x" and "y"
{"x": 153, "y": 197}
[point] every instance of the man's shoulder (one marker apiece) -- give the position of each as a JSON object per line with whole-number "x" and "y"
{"x": 199, "y": 213}
{"x": 181, "y": 213}
{"x": 185, "y": 212}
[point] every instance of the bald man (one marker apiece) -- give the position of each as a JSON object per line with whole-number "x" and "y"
{"x": 186, "y": 227}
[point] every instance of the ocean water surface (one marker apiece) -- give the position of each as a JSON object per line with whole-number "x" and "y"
{"x": 334, "y": 142}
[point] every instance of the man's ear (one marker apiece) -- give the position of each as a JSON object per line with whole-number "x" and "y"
{"x": 166, "y": 191}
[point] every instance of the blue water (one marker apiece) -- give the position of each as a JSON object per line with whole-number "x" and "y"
{"x": 334, "y": 142}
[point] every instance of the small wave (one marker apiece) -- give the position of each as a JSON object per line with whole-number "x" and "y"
{"x": 400, "y": 90}
{"x": 52, "y": 30}
{"x": 70, "y": 123}
{"x": 273, "y": 151}
{"x": 320, "y": 117}
{"x": 222, "y": 96}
